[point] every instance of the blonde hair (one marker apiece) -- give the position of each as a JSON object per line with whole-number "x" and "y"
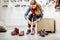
{"x": 37, "y": 11}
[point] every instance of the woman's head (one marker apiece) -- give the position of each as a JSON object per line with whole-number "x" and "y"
{"x": 33, "y": 4}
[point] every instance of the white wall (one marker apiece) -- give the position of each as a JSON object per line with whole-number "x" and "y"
{"x": 13, "y": 16}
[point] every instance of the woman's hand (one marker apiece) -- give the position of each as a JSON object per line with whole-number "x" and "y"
{"x": 34, "y": 22}
{"x": 29, "y": 21}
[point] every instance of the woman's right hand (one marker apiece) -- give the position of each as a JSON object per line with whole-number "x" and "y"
{"x": 29, "y": 21}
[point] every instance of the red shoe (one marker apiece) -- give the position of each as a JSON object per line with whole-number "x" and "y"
{"x": 21, "y": 33}
{"x": 15, "y": 32}
{"x": 33, "y": 31}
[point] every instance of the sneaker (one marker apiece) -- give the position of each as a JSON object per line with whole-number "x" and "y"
{"x": 15, "y": 32}
{"x": 42, "y": 34}
{"x": 28, "y": 31}
{"x": 21, "y": 33}
{"x": 46, "y": 33}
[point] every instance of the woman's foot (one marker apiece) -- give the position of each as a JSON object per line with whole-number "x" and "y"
{"x": 28, "y": 31}
{"x": 33, "y": 31}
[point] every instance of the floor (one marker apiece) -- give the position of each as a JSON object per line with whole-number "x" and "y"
{"x": 7, "y": 35}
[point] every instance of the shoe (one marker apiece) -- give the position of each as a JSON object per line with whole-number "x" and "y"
{"x": 3, "y": 29}
{"x": 5, "y": 6}
{"x": 46, "y": 33}
{"x": 42, "y": 34}
{"x": 33, "y": 31}
{"x": 17, "y": 5}
{"x": 15, "y": 32}
{"x": 28, "y": 31}
{"x": 57, "y": 5}
{"x": 21, "y": 33}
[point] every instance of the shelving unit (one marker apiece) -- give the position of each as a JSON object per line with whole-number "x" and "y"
{"x": 20, "y": 3}
{"x": 15, "y": 3}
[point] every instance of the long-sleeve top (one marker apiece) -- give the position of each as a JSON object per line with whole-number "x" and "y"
{"x": 27, "y": 12}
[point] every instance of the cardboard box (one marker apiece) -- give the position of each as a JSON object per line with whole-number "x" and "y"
{"x": 47, "y": 24}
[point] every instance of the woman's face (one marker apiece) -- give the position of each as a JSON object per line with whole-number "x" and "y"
{"x": 33, "y": 6}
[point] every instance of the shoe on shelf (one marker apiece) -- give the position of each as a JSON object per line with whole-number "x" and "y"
{"x": 5, "y": 6}
{"x": 33, "y": 31}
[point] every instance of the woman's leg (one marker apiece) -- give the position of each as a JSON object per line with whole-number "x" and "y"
{"x": 29, "y": 28}
{"x": 33, "y": 26}
{"x": 29, "y": 25}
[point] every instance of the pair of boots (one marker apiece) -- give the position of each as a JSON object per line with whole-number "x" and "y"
{"x": 16, "y": 32}
{"x": 43, "y": 33}
{"x": 31, "y": 31}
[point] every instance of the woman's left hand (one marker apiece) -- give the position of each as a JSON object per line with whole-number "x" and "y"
{"x": 34, "y": 22}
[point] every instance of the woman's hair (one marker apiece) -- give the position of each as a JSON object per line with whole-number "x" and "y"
{"x": 33, "y": 2}
{"x": 38, "y": 7}
{"x": 37, "y": 11}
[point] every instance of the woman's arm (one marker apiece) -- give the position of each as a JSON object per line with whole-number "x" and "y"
{"x": 27, "y": 12}
{"x": 41, "y": 13}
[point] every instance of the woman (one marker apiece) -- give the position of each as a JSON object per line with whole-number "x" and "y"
{"x": 36, "y": 12}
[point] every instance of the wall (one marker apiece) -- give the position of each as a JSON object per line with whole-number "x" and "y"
{"x": 15, "y": 15}
{"x": 12, "y": 15}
